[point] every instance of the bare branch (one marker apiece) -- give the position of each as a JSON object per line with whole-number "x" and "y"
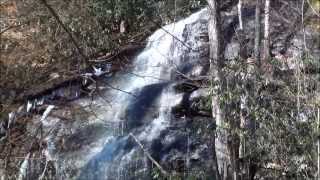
{"x": 314, "y": 11}
{"x": 57, "y": 18}
{"x": 148, "y": 155}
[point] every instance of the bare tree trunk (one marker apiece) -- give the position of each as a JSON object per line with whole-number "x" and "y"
{"x": 243, "y": 122}
{"x": 216, "y": 63}
{"x": 266, "y": 51}
{"x": 240, "y": 33}
{"x": 257, "y": 38}
{"x": 250, "y": 158}
{"x": 243, "y": 105}
{"x": 240, "y": 14}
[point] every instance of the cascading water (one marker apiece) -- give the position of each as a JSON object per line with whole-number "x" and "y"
{"x": 147, "y": 89}
{"x": 140, "y": 104}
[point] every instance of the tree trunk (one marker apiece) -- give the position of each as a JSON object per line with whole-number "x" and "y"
{"x": 257, "y": 38}
{"x": 240, "y": 33}
{"x": 240, "y": 14}
{"x": 266, "y": 52}
{"x": 243, "y": 105}
{"x": 216, "y": 63}
{"x": 250, "y": 158}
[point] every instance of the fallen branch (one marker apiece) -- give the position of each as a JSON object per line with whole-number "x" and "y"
{"x": 148, "y": 155}
{"x": 47, "y": 87}
{"x": 10, "y": 27}
{"x": 44, "y": 171}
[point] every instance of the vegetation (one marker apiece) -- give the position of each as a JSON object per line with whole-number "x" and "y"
{"x": 266, "y": 116}
{"x": 34, "y": 44}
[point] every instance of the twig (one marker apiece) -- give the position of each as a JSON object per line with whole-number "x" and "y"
{"x": 146, "y": 76}
{"x": 44, "y": 171}
{"x": 148, "y": 155}
{"x": 315, "y": 12}
{"x": 10, "y": 27}
{"x": 176, "y": 38}
{"x": 40, "y": 159}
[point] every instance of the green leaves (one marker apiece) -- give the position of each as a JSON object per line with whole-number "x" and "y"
{"x": 283, "y": 129}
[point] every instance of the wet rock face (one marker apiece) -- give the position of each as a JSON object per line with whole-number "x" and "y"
{"x": 195, "y": 55}
{"x": 143, "y": 105}
{"x": 82, "y": 137}
{"x": 184, "y": 147}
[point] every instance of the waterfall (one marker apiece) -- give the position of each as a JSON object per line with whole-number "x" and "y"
{"x": 139, "y": 104}
{"x": 146, "y": 89}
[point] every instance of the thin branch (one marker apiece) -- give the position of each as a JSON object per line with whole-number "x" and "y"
{"x": 57, "y": 18}
{"x": 44, "y": 171}
{"x": 147, "y": 76}
{"x": 118, "y": 89}
{"x": 176, "y": 38}
{"x": 10, "y": 27}
{"x": 315, "y": 12}
{"x": 148, "y": 155}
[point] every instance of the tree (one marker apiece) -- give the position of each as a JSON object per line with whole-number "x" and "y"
{"x": 266, "y": 50}
{"x": 257, "y": 37}
{"x": 216, "y": 57}
{"x": 240, "y": 14}
{"x": 224, "y": 142}
{"x": 244, "y": 97}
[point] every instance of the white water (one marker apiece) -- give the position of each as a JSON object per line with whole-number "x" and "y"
{"x": 158, "y": 62}
{"x": 150, "y": 80}
{"x": 155, "y": 65}
{"x": 24, "y": 167}
{"x": 153, "y": 69}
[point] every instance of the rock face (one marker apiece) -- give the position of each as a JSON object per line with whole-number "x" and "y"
{"x": 160, "y": 102}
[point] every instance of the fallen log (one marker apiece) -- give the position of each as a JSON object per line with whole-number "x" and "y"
{"x": 47, "y": 87}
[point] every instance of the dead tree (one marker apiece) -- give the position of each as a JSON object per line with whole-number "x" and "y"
{"x": 257, "y": 36}
{"x": 266, "y": 50}
{"x": 240, "y": 33}
{"x": 240, "y": 14}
